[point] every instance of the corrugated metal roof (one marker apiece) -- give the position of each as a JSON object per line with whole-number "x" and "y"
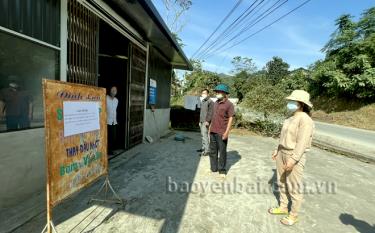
{"x": 143, "y": 16}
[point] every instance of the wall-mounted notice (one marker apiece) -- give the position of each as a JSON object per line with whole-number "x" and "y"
{"x": 152, "y": 92}
{"x": 80, "y": 117}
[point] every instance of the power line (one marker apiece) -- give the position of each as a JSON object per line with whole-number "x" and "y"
{"x": 256, "y": 21}
{"x": 230, "y": 27}
{"x": 212, "y": 46}
{"x": 220, "y": 24}
{"x": 246, "y": 28}
{"x": 265, "y": 27}
{"x": 233, "y": 23}
{"x": 225, "y": 34}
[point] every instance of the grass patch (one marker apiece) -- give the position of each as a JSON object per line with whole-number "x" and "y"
{"x": 363, "y": 118}
{"x": 345, "y": 112}
{"x": 264, "y": 127}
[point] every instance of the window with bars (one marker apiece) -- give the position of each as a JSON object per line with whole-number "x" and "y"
{"x": 83, "y": 29}
{"x": 137, "y": 95}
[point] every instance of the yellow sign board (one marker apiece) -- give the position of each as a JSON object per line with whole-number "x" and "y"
{"x": 76, "y": 137}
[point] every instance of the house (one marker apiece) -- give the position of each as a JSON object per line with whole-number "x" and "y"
{"x": 122, "y": 43}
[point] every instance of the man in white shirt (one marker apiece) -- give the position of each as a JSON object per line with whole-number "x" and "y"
{"x": 112, "y": 103}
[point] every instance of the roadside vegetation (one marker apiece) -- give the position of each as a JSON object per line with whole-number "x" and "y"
{"x": 342, "y": 85}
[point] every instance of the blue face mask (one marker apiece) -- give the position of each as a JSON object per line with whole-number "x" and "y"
{"x": 292, "y": 106}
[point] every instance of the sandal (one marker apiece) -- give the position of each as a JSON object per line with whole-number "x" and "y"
{"x": 277, "y": 211}
{"x": 289, "y": 221}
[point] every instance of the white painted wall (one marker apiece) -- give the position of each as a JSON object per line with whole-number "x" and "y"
{"x": 156, "y": 124}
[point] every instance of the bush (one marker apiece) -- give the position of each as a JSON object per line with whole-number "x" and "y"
{"x": 265, "y": 127}
{"x": 266, "y": 98}
{"x": 177, "y": 100}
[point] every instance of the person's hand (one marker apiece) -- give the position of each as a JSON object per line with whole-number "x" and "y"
{"x": 274, "y": 154}
{"x": 206, "y": 124}
{"x": 225, "y": 136}
{"x": 289, "y": 164}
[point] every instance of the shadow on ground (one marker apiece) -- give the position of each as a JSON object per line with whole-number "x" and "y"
{"x": 360, "y": 225}
{"x": 273, "y": 183}
{"x": 142, "y": 180}
{"x": 232, "y": 158}
{"x": 275, "y": 190}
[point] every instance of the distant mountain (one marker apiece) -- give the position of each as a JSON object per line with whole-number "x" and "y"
{"x": 224, "y": 76}
{"x": 301, "y": 69}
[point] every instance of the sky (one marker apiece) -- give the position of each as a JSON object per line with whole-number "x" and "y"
{"x": 297, "y": 39}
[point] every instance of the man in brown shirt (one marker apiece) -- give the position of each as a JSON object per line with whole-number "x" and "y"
{"x": 219, "y": 130}
{"x": 16, "y": 106}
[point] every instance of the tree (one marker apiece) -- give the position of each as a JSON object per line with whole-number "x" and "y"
{"x": 349, "y": 67}
{"x": 276, "y": 69}
{"x": 366, "y": 25}
{"x": 178, "y": 40}
{"x": 298, "y": 79}
{"x": 239, "y": 83}
{"x": 343, "y": 36}
{"x": 176, "y": 85}
{"x": 199, "y": 79}
{"x": 175, "y": 10}
{"x": 243, "y": 64}
{"x": 243, "y": 68}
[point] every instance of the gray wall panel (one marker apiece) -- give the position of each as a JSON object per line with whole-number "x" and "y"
{"x": 39, "y": 19}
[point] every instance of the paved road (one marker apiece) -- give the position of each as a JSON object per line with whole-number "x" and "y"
{"x": 356, "y": 143}
{"x": 171, "y": 190}
{"x": 354, "y": 135}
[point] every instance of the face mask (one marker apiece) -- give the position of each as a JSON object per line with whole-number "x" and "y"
{"x": 204, "y": 96}
{"x": 113, "y": 93}
{"x": 292, "y": 106}
{"x": 13, "y": 86}
{"x": 220, "y": 96}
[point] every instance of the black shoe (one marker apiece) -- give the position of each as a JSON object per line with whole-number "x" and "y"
{"x": 224, "y": 172}
{"x": 200, "y": 150}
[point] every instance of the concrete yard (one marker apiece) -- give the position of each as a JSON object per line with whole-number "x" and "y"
{"x": 170, "y": 189}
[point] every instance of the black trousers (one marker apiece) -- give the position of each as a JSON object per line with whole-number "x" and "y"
{"x": 218, "y": 146}
{"x": 12, "y": 122}
{"x": 112, "y": 138}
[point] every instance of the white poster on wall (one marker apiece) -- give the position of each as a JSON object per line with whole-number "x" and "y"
{"x": 80, "y": 117}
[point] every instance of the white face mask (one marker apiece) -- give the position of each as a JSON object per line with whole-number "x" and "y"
{"x": 113, "y": 93}
{"x": 204, "y": 96}
{"x": 219, "y": 96}
{"x": 292, "y": 106}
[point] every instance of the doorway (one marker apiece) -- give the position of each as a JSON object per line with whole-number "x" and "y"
{"x": 113, "y": 71}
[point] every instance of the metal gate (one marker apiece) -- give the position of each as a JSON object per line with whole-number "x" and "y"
{"x": 136, "y": 95}
{"x": 83, "y": 27}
